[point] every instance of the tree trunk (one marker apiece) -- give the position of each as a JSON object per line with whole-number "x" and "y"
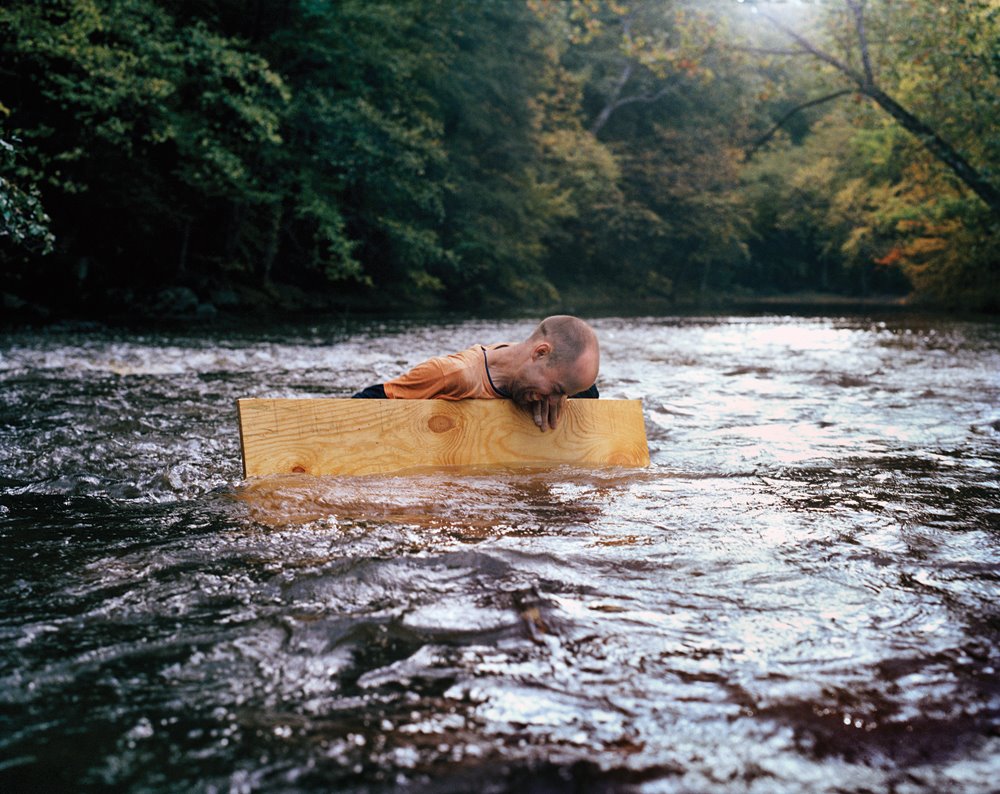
{"x": 939, "y": 147}
{"x": 613, "y": 101}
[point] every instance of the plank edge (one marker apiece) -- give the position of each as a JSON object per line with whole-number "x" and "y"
{"x": 243, "y": 446}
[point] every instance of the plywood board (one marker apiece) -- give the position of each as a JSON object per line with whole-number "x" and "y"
{"x": 356, "y": 437}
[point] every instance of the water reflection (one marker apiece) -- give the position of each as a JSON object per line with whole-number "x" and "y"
{"x": 799, "y": 594}
{"x": 467, "y": 501}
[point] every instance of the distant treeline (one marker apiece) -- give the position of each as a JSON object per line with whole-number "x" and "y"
{"x": 489, "y": 153}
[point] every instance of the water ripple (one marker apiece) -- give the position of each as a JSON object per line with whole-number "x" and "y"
{"x": 799, "y": 593}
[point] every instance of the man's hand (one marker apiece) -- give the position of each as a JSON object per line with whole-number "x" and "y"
{"x": 547, "y": 412}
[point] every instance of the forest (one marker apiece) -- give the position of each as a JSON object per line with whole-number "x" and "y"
{"x": 172, "y": 157}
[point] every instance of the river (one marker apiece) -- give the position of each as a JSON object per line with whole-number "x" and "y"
{"x": 798, "y": 595}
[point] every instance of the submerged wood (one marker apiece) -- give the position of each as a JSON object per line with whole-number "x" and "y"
{"x": 357, "y": 437}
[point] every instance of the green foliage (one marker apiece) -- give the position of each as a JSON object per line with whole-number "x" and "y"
{"x": 488, "y": 154}
{"x": 502, "y": 196}
{"x": 658, "y": 90}
{"x": 134, "y": 123}
{"x": 941, "y": 60}
{"x": 364, "y": 172}
{"x": 861, "y": 193}
{"x": 24, "y": 222}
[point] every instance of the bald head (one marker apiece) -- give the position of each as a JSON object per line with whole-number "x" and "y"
{"x": 574, "y": 347}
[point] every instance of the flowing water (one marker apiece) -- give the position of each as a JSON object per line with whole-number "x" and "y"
{"x": 800, "y": 593}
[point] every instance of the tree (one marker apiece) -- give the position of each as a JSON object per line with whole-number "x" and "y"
{"x": 857, "y": 64}
{"x": 501, "y": 202}
{"x": 134, "y": 127}
{"x": 660, "y": 94}
{"x": 362, "y": 171}
{"x": 820, "y": 210}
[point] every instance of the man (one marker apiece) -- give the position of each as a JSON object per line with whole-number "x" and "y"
{"x": 561, "y": 358}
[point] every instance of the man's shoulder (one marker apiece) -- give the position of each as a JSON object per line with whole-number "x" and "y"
{"x": 463, "y": 359}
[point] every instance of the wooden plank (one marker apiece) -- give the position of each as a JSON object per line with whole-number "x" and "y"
{"x": 355, "y": 437}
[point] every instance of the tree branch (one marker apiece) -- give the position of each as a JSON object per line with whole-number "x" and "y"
{"x": 613, "y": 101}
{"x": 757, "y": 144}
{"x": 610, "y": 108}
{"x": 858, "y": 9}
{"x": 813, "y": 50}
{"x": 940, "y": 148}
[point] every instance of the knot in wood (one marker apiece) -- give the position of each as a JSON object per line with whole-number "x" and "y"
{"x": 440, "y": 424}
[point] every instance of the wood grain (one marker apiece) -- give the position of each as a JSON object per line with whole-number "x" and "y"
{"x": 356, "y": 437}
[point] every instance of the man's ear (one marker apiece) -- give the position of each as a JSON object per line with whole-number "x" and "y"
{"x": 541, "y": 350}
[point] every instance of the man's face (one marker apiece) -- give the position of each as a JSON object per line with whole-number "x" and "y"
{"x": 537, "y": 381}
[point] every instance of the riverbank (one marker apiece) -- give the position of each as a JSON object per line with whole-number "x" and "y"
{"x": 212, "y": 303}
